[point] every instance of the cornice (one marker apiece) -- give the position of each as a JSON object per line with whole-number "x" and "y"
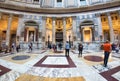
{"x": 59, "y": 11}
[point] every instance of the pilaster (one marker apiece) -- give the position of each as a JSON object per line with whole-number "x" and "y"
{"x": 43, "y": 31}
{"x": 100, "y": 32}
{"x": 111, "y": 27}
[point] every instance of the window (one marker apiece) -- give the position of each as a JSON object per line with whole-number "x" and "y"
{"x": 59, "y": 0}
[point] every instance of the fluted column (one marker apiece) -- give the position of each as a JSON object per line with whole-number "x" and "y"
{"x": 64, "y": 31}
{"x": 111, "y": 27}
{"x": 53, "y": 30}
{"x": 43, "y": 30}
{"x": 100, "y": 32}
{"x": 74, "y": 28}
{"x": 8, "y": 30}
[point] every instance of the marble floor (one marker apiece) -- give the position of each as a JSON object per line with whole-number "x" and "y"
{"x": 46, "y": 65}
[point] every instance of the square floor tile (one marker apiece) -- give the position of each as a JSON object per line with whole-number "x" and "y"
{"x": 117, "y": 75}
{"x": 111, "y": 75}
{"x": 55, "y": 61}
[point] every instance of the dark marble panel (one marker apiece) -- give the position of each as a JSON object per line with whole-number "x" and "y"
{"x": 3, "y": 70}
{"x": 108, "y": 74}
{"x": 93, "y": 58}
{"x": 22, "y": 57}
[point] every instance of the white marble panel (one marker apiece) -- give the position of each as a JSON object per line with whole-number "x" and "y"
{"x": 117, "y": 76}
{"x": 55, "y": 61}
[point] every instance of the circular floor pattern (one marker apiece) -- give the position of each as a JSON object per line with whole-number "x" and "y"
{"x": 93, "y": 58}
{"x": 22, "y": 57}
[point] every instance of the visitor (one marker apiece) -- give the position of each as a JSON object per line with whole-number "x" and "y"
{"x": 30, "y": 46}
{"x": 80, "y": 49}
{"x": 107, "y": 49}
{"x": 67, "y": 48}
{"x": 117, "y": 48}
{"x": 60, "y": 46}
{"x": 113, "y": 47}
{"x": 54, "y": 47}
{"x": 13, "y": 47}
{"x": 17, "y": 48}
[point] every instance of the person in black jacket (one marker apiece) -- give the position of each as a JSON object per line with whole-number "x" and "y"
{"x": 80, "y": 49}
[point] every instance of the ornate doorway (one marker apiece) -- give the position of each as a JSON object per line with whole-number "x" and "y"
{"x": 31, "y": 31}
{"x": 87, "y": 31}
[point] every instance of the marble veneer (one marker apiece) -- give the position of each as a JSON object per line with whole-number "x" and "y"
{"x": 56, "y": 61}
{"x": 3, "y": 70}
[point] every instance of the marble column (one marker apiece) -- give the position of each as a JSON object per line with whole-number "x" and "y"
{"x": 8, "y": 30}
{"x": 74, "y": 28}
{"x": 119, "y": 26}
{"x": 64, "y": 31}
{"x": 43, "y": 31}
{"x": 100, "y": 32}
{"x": 111, "y": 28}
{"x": 53, "y": 30}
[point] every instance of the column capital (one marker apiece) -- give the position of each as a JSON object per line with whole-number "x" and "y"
{"x": 97, "y": 14}
{"x": 108, "y": 13}
{"x": 73, "y": 17}
{"x": 44, "y": 18}
{"x": 64, "y": 18}
{"x": 53, "y": 18}
{"x": 20, "y": 15}
{"x": 10, "y": 15}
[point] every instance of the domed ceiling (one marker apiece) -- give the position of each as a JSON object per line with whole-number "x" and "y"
{"x": 56, "y": 3}
{"x": 58, "y": 6}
